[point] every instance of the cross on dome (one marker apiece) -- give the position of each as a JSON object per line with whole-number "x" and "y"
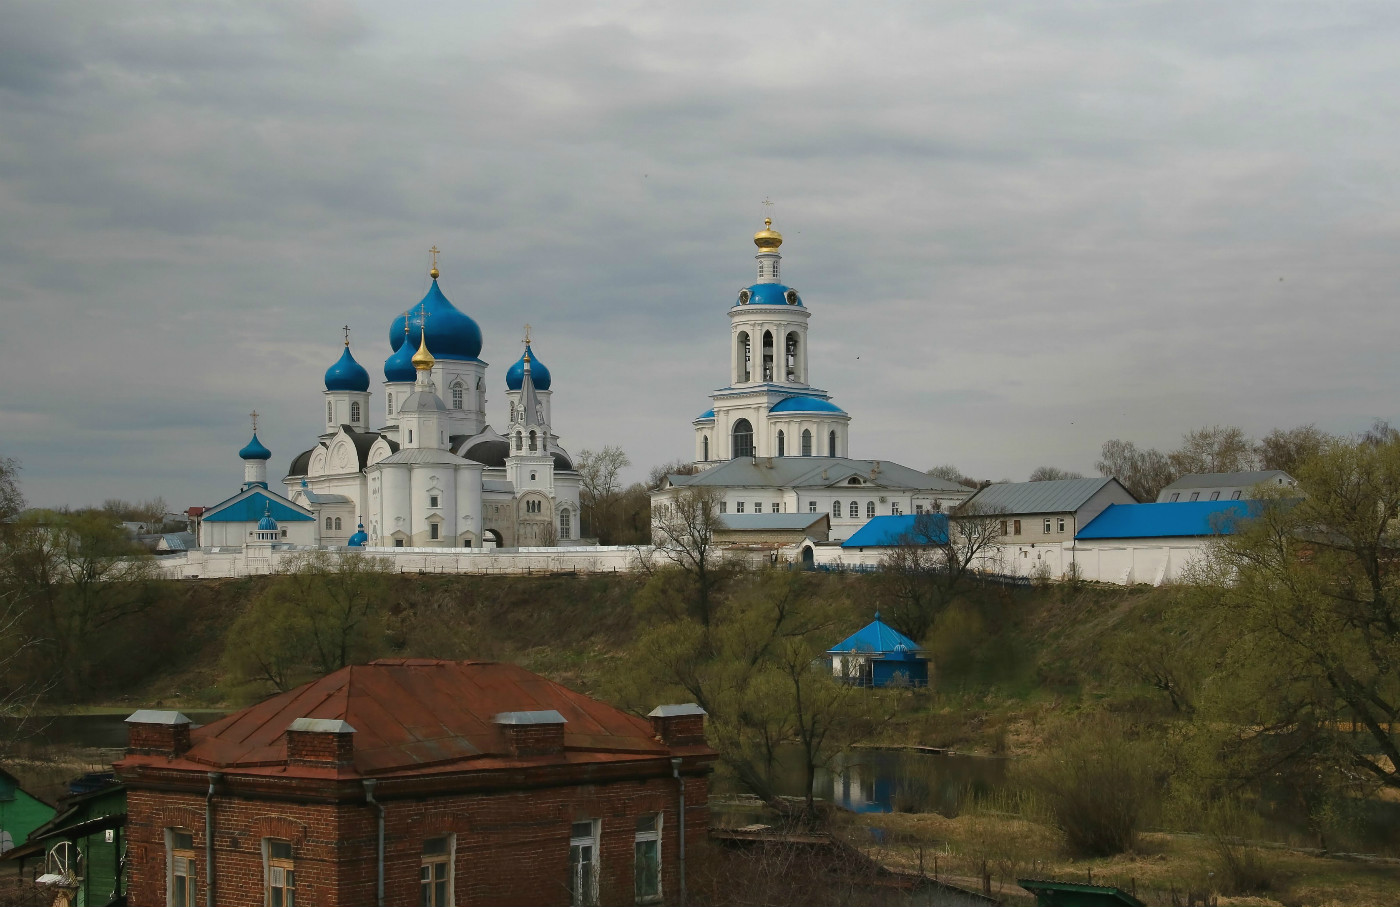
{"x": 433, "y": 271}
{"x": 346, "y": 329}
{"x": 254, "y": 416}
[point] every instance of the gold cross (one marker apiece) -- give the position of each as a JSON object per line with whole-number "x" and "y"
{"x": 768, "y": 205}
{"x": 254, "y": 414}
{"x": 434, "y": 251}
{"x": 405, "y": 321}
{"x": 346, "y": 329}
{"x": 527, "y": 334}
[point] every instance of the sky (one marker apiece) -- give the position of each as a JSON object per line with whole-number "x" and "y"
{"x": 1021, "y": 228}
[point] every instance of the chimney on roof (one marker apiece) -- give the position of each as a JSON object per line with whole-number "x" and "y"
{"x": 320, "y": 741}
{"x": 679, "y": 725}
{"x": 532, "y": 733}
{"x": 155, "y": 733}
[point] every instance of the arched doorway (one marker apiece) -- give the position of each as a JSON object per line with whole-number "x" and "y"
{"x": 742, "y": 445}
{"x": 809, "y": 558}
{"x": 491, "y": 539}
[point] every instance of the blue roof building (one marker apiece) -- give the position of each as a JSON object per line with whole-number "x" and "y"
{"x": 1185, "y": 520}
{"x": 890, "y": 531}
{"x": 878, "y": 655}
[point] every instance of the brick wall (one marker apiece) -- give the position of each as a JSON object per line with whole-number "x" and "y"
{"x": 162, "y": 739}
{"x": 512, "y": 848}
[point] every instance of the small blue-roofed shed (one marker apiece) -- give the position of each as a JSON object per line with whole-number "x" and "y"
{"x": 878, "y": 655}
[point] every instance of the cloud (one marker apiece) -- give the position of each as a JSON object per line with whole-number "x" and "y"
{"x": 1037, "y": 225}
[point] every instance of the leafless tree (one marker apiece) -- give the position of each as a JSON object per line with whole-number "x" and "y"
{"x": 1215, "y": 448}
{"x": 1052, "y": 473}
{"x": 684, "y": 532}
{"x": 950, "y": 473}
{"x": 1287, "y": 449}
{"x": 658, "y": 474}
{"x": 599, "y": 487}
{"x": 1142, "y": 472}
{"x": 933, "y": 562}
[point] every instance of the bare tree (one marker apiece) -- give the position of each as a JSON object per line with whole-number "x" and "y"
{"x": 1216, "y": 448}
{"x": 1287, "y": 449}
{"x": 659, "y": 474}
{"x": 1142, "y": 472}
{"x": 950, "y": 473}
{"x": 599, "y": 486}
{"x": 684, "y": 533}
{"x": 1052, "y": 473}
{"x": 933, "y": 562}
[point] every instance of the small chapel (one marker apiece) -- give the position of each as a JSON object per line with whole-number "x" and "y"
{"x": 433, "y": 473}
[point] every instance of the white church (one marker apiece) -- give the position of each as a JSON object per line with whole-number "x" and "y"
{"x": 772, "y": 443}
{"x": 434, "y": 473}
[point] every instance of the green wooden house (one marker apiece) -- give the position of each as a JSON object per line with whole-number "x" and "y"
{"x": 82, "y": 844}
{"x": 20, "y": 812}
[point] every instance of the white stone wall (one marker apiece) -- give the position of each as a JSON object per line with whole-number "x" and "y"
{"x": 256, "y": 560}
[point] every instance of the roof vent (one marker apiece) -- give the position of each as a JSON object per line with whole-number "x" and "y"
{"x": 533, "y": 733}
{"x": 679, "y": 725}
{"x": 152, "y": 732}
{"x": 320, "y": 741}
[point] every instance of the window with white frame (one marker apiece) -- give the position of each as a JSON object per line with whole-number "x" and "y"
{"x": 777, "y": 508}
{"x": 782, "y": 441}
{"x": 647, "y": 859}
{"x": 566, "y": 526}
{"x": 870, "y": 510}
{"x": 181, "y": 860}
{"x": 738, "y": 506}
{"x": 337, "y": 524}
{"x": 389, "y": 399}
{"x": 355, "y": 411}
{"x": 583, "y": 863}
{"x": 279, "y": 873}
{"x": 836, "y": 510}
{"x": 435, "y": 872}
{"x": 918, "y": 508}
{"x": 757, "y": 506}
{"x": 1047, "y": 525}
{"x": 456, "y": 396}
{"x": 806, "y": 443}
{"x": 433, "y": 500}
{"x": 855, "y": 510}
{"x": 433, "y": 531}
{"x": 329, "y": 523}
{"x": 811, "y": 506}
{"x": 1060, "y": 524}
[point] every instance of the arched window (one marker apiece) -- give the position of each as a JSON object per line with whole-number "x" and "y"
{"x": 780, "y": 442}
{"x": 337, "y": 524}
{"x": 743, "y": 439}
{"x": 836, "y": 510}
{"x": 457, "y": 396}
{"x": 565, "y": 523}
{"x": 767, "y": 355}
{"x": 743, "y": 353}
{"x": 806, "y": 443}
{"x": 512, "y": 412}
{"x": 330, "y": 413}
{"x": 831, "y": 444}
{"x": 870, "y": 510}
{"x": 390, "y": 398}
{"x": 519, "y": 441}
{"x": 355, "y": 412}
{"x": 855, "y": 510}
{"x": 790, "y": 357}
{"x": 705, "y": 447}
{"x": 532, "y": 441}
{"x": 329, "y": 524}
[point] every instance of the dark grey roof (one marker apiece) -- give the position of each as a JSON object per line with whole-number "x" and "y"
{"x": 489, "y": 452}
{"x": 301, "y": 462}
{"x": 1058, "y": 496}
{"x": 753, "y": 522}
{"x": 816, "y": 472}
{"x": 317, "y": 498}
{"x": 423, "y": 455}
{"x": 1230, "y": 479}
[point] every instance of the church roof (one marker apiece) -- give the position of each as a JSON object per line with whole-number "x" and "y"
{"x": 707, "y": 416}
{"x": 1056, "y": 496}
{"x": 255, "y": 450}
{"x": 251, "y": 505}
{"x": 451, "y": 334}
{"x": 347, "y": 374}
{"x": 424, "y": 455}
{"x": 815, "y": 472}
{"x": 804, "y": 404}
{"x": 539, "y": 375}
{"x": 1182, "y": 520}
{"x": 768, "y": 294}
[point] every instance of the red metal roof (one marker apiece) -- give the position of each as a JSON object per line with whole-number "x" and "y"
{"x": 417, "y": 716}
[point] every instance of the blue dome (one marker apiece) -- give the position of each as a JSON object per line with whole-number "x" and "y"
{"x": 267, "y": 524}
{"x": 254, "y": 450}
{"x": 806, "y": 405}
{"x": 347, "y": 374}
{"x": 515, "y": 375}
{"x": 768, "y": 294}
{"x": 707, "y": 414}
{"x": 451, "y": 335}
{"x": 359, "y": 538}
{"x": 399, "y": 366}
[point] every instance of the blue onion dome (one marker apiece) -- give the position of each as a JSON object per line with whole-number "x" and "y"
{"x": 359, "y": 539}
{"x": 254, "y": 450}
{"x": 347, "y": 374}
{"x": 806, "y": 405}
{"x": 451, "y": 334}
{"x": 768, "y": 294}
{"x": 539, "y": 375}
{"x": 267, "y": 523}
{"x": 399, "y": 366}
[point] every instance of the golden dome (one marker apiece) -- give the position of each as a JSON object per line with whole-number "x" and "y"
{"x": 423, "y": 359}
{"x": 768, "y": 239}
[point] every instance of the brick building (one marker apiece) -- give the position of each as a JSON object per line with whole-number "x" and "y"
{"x": 416, "y": 782}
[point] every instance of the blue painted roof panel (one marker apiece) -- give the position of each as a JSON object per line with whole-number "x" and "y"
{"x": 252, "y": 508}
{"x": 876, "y": 636}
{"x": 801, "y": 404}
{"x": 1183, "y": 520}
{"x": 886, "y": 531}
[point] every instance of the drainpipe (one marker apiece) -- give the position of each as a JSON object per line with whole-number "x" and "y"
{"x": 681, "y": 825}
{"x": 379, "y": 878}
{"x": 209, "y": 840}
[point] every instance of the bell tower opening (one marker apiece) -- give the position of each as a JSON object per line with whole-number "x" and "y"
{"x": 742, "y": 439}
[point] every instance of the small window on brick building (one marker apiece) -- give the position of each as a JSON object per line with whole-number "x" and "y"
{"x": 647, "y": 856}
{"x": 435, "y": 872}
{"x": 583, "y": 863}
{"x": 183, "y": 863}
{"x": 280, "y": 873}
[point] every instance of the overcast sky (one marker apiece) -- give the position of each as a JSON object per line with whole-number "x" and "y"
{"x": 1021, "y": 228}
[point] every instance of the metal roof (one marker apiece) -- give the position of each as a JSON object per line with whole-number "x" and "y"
{"x": 413, "y": 716}
{"x": 678, "y": 710}
{"x": 1183, "y": 520}
{"x": 316, "y": 497}
{"x": 426, "y": 455}
{"x": 1230, "y": 479}
{"x": 875, "y": 637}
{"x": 252, "y": 504}
{"x": 752, "y": 522}
{"x": 1057, "y": 496}
{"x": 815, "y": 472}
{"x": 156, "y": 716}
{"x": 888, "y": 531}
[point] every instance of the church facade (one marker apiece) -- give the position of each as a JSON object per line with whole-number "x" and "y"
{"x": 434, "y": 473}
{"x": 774, "y": 443}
